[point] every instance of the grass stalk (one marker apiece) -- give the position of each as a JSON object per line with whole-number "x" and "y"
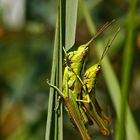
{"x": 66, "y": 11}
{"x": 126, "y": 70}
{"x": 54, "y": 127}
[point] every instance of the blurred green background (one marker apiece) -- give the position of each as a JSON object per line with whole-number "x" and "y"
{"x": 26, "y": 46}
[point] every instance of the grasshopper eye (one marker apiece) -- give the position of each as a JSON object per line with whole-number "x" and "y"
{"x": 85, "y": 52}
{"x": 98, "y": 69}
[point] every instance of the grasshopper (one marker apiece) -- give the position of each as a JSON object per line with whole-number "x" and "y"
{"x": 72, "y": 87}
{"x": 92, "y": 107}
{"x": 73, "y": 62}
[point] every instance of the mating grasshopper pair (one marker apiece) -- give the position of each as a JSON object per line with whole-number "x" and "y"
{"x": 78, "y": 89}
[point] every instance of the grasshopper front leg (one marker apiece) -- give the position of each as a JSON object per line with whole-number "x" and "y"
{"x": 87, "y": 100}
{"x": 57, "y": 89}
{"x": 91, "y": 109}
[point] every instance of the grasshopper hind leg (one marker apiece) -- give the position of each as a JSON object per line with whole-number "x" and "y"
{"x": 101, "y": 112}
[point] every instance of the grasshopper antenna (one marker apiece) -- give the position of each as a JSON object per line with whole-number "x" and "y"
{"x": 103, "y": 28}
{"x": 109, "y": 43}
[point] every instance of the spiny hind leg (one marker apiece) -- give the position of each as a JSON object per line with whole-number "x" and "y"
{"x": 95, "y": 117}
{"x": 101, "y": 112}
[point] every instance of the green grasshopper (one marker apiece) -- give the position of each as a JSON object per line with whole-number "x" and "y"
{"x": 73, "y": 62}
{"x": 92, "y": 107}
{"x": 72, "y": 87}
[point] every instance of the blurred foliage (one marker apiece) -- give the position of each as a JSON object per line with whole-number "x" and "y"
{"x": 25, "y": 63}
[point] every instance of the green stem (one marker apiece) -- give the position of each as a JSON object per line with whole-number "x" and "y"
{"x": 54, "y": 127}
{"x": 49, "y": 129}
{"x": 126, "y": 70}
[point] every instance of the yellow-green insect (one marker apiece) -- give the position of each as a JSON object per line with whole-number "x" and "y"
{"x": 89, "y": 83}
{"x": 72, "y": 88}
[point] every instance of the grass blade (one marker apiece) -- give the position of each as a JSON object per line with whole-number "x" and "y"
{"x": 64, "y": 36}
{"x": 54, "y": 128}
{"x": 115, "y": 94}
{"x": 126, "y": 71}
{"x": 51, "y": 113}
{"x": 71, "y": 18}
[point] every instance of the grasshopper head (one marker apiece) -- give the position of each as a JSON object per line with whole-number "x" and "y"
{"x": 93, "y": 71}
{"x": 83, "y": 50}
{"x": 90, "y": 76}
{"x": 98, "y": 69}
{"x": 79, "y": 55}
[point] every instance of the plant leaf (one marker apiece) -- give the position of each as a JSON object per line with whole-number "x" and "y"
{"x": 70, "y": 27}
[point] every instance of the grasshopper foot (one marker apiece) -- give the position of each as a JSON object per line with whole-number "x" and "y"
{"x": 48, "y": 82}
{"x": 87, "y": 100}
{"x": 57, "y": 107}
